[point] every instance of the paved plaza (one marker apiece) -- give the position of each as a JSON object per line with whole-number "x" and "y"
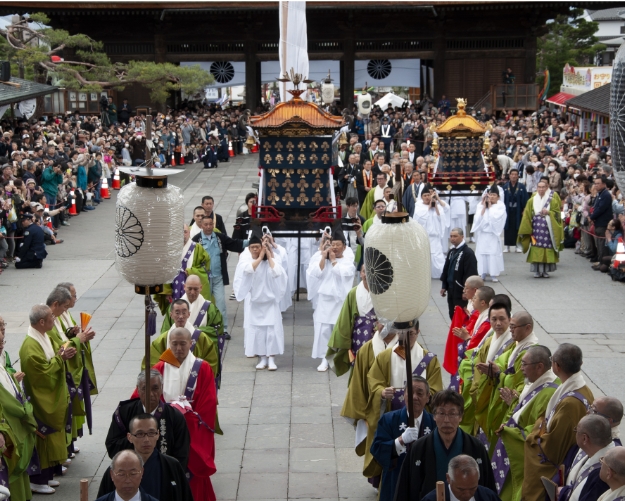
{"x": 283, "y": 435}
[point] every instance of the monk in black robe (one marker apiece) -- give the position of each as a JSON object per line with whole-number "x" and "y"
{"x": 173, "y": 432}
{"x": 419, "y": 472}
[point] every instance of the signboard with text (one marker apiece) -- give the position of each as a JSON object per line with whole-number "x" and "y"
{"x": 585, "y": 78}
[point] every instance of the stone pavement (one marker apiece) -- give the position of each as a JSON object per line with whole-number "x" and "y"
{"x": 283, "y": 435}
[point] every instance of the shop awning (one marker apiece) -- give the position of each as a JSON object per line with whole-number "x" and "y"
{"x": 560, "y": 98}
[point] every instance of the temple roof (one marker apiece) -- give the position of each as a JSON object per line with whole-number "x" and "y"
{"x": 460, "y": 123}
{"x": 296, "y": 111}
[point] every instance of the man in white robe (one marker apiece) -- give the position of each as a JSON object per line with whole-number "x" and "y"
{"x": 431, "y": 213}
{"x": 489, "y": 222}
{"x": 329, "y": 276}
{"x": 261, "y": 281}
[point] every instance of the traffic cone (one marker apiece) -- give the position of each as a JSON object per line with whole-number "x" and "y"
{"x": 72, "y": 207}
{"x": 116, "y": 182}
{"x": 104, "y": 189}
{"x": 255, "y": 148}
{"x": 49, "y": 224}
{"x": 230, "y": 150}
{"x": 181, "y": 160}
{"x": 173, "y": 161}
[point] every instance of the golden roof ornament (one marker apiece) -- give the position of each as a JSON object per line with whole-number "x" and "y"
{"x": 295, "y": 79}
{"x": 461, "y": 124}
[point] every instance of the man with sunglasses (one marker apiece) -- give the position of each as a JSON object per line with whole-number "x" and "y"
{"x": 163, "y": 476}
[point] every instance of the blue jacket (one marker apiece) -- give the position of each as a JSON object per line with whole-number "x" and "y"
{"x": 32, "y": 248}
{"x": 520, "y": 198}
{"x": 391, "y": 426}
{"x": 602, "y": 210}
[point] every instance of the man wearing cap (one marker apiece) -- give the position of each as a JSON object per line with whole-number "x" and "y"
{"x": 329, "y": 278}
{"x": 32, "y": 252}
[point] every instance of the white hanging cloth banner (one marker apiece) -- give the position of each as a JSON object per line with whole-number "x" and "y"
{"x": 293, "y": 44}
{"x": 3, "y": 109}
{"x": 27, "y": 108}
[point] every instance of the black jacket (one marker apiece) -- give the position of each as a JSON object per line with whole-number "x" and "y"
{"x": 174, "y": 440}
{"x": 33, "y": 247}
{"x": 225, "y": 244}
{"x": 602, "y": 209}
{"x": 174, "y": 483}
{"x": 417, "y": 477}
{"x": 465, "y": 266}
{"x": 111, "y": 496}
{"x": 482, "y": 494}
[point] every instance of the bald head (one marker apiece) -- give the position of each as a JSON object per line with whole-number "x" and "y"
{"x": 540, "y": 355}
{"x": 596, "y": 428}
{"x": 523, "y": 317}
{"x": 609, "y": 407}
{"x": 474, "y": 281}
{"x": 180, "y": 332}
{"x": 615, "y": 460}
{"x": 568, "y": 360}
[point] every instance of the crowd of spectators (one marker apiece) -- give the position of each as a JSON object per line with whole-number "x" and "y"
{"x": 49, "y": 164}
{"x": 540, "y": 144}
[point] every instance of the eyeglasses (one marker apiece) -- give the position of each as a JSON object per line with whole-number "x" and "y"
{"x": 512, "y": 326}
{"x": 444, "y": 415}
{"x": 593, "y": 410}
{"x": 525, "y": 364}
{"x": 126, "y": 474}
{"x": 141, "y": 434}
{"x": 604, "y": 463}
{"x": 3, "y": 325}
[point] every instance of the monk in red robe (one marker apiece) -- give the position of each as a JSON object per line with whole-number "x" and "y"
{"x": 189, "y": 384}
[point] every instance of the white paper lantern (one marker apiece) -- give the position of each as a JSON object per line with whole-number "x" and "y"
{"x": 364, "y": 104}
{"x": 149, "y": 229}
{"x": 397, "y": 264}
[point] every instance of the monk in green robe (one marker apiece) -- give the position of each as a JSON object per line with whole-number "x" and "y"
{"x": 194, "y": 261}
{"x": 203, "y": 314}
{"x": 386, "y": 386}
{"x": 202, "y": 345}
{"x": 58, "y": 301}
{"x": 378, "y": 210}
{"x": 505, "y": 374}
{"x": 493, "y": 347}
{"x": 553, "y": 433}
{"x": 5, "y": 360}
{"x": 541, "y": 231}
{"x": 525, "y": 409}
{"x": 43, "y": 361}
{"x": 68, "y": 322}
{"x": 376, "y": 193}
{"x": 357, "y": 398}
{"x": 17, "y": 429}
{"x": 354, "y": 327}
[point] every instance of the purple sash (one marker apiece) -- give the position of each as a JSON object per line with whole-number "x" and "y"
{"x": 575, "y": 394}
{"x": 193, "y": 375}
{"x": 398, "y": 397}
{"x": 540, "y": 230}
{"x": 500, "y": 460}
{"x": 194, "y": 338}
{"x": 583, "y": 476}
{"x": 43, "y": 428}
{"x": 4, "y": 473}
{"x": 363, "y": 331}
{"x": 188, "y": 392}
{"x": 34, "y": 467}
{"x": 178, "y": 284}
{"x": 454, "y": 383}
{"x": 201, "y": 314}
{"x": 71, "y": 387}
{"x": 503, "y": 348}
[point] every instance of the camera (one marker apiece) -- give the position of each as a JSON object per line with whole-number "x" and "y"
{"x": 266, "y": 231}
{"x": 327, "y": 230}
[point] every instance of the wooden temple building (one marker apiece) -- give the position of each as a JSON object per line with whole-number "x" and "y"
{"x": 466, "y": 44}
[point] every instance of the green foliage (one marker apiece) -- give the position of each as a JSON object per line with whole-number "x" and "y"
{"x": 87, "y": 67}
{"x": 570, "y": 39}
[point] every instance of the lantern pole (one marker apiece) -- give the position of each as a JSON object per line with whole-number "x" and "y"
{"x": 148, "y": 364}
{"x": 148, "y": 140}
{"x": 408, "y": 395}
{"x": 400, "y": 191}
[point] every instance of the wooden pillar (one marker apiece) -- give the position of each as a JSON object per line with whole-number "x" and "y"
{"x": 439, "y": 67}
{"x": 252, "y": 76}
{"x": 347, "y": 72}
{"x": 160, "y": 47}
{"x": 530, "y": 59}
